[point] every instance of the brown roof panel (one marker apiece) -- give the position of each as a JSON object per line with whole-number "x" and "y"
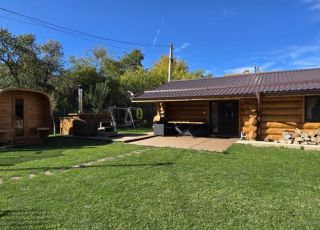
{"x": 238, "y": 85}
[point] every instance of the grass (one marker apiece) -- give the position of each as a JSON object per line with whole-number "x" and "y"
{"x": 244, "y": 188}
{"x": 135, "y": 131}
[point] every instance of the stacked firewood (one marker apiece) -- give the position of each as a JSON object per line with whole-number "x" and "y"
{"x": 300, "y": 137}
{"x": 252, "y": 129}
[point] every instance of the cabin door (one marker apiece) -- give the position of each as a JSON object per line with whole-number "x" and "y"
{"x": 19, "y": 117}
{"x": 225, "y": 118}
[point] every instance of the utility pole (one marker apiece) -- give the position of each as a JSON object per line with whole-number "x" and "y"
{"x": 170, "y": 61}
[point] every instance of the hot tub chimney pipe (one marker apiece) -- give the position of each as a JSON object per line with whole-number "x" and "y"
{"x": 80, "y": 99}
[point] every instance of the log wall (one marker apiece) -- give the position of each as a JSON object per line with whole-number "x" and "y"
{"x": 279, "y": 114}
{"x": 194, "y": 111}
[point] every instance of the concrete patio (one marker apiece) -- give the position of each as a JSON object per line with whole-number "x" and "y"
{"x": 186, "y": 142}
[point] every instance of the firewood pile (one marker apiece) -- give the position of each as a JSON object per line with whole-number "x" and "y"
{"x": 300, "y": 137}
{"x": 251, "y": 133}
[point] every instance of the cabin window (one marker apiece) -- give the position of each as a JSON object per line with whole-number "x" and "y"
{"x": 312, "y": 109}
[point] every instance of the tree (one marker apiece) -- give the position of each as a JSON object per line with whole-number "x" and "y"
{"x": 48, "y": 63}
{"x": 15, "y": 53}
{"x": 132, "y": 61}
{"x": 180, "y": 71}
{"x": 64, "y": 94}
{"x": 136, "y": 80}
{"x": 26, "y": 63}
{"x": 96, "y": 96}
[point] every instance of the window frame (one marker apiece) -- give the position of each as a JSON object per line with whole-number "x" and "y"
{"x": 306, "y": 111}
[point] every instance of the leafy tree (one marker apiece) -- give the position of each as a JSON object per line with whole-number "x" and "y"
{"x": 28, "y": 64}
{"x": 16, "y": 52}
{"x": 132, "y": 61}
{"x": 48, "y": 63}
{"x": 136, "y": 80}
{"x": 96, "y": 96}
{"x": 64, "y": 95}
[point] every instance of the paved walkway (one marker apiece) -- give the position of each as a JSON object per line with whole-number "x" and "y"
{"x": 186, "y": 142}
{"x": 121, "y": 137}
{"x": 126, "y": 137}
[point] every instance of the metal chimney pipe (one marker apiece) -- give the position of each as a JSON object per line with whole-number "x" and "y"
{"x": 80, "y": 99}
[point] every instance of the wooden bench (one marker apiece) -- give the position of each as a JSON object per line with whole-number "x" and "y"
{"x": 40, "y": 130}
{"x": 187, "y": 122}
{"x": 10, "y": 131}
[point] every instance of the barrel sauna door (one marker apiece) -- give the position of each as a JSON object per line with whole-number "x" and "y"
{"x": 19, "y": 117}
{"x": 225, "y": 118}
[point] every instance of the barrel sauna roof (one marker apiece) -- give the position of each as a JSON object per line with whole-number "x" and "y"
{"x": 24, "y": 90}
{"x": 38, "y": 92}
{"x": 277, "y": 82}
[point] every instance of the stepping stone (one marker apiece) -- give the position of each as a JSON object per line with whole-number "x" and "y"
{"x": 1, "y": 181}
{"x": 48, "y": 173}
{"x": 16, "y": 178}
{"x": 101, "y": 160}
{"x": 31, "y": 175}
{"x": 76, "y": 166}
{"x": 109, "y": 158}
{"x": 121, "y": 156}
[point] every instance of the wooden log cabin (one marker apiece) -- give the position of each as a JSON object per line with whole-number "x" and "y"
{"x": 261, "y": 105}
{"x": 25, "y": 116}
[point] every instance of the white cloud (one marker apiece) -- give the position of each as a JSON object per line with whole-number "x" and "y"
{"x": 155, "y": 39}
{"x": 228, "y": 12}
{"x": 240, "y": 69}
{"x": 309, "y": 62}
{"x": 312, "y": 4}
{"x": 182, "y": 47}
{"x": 263, "y": 67}
{"x": 315, "y": 7}
{"x": 290, "y": 57}
{"x": 296, "y": 51}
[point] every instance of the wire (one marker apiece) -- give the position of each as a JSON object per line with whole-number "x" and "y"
{"x": 72, "y": 34}
{"x": 66, "y": 29}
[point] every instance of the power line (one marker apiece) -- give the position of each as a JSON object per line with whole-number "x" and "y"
{"x": 66, "y": 29}
{"x": 72, "y": 34}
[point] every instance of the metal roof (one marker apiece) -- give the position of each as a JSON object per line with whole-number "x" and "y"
{"x": 237, "y": 85}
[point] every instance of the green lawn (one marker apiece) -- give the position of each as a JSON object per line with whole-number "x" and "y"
{"x": 163, "y": 188}
{"x": 135, "y": 131}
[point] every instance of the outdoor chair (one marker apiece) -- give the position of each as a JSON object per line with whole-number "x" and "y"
{"x": 182, "y": 131}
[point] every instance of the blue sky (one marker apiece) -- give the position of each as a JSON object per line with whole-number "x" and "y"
{"x": 216, "y": 36}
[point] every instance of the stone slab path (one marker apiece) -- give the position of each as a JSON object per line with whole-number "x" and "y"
{"x": 79, "y": 166}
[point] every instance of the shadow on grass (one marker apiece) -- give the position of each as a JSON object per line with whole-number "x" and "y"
{"x": 18, "y": 158}
{"x": 25, "y": 219}
{"x": 91, "y": 166}
{"x": 60, "y": 142}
